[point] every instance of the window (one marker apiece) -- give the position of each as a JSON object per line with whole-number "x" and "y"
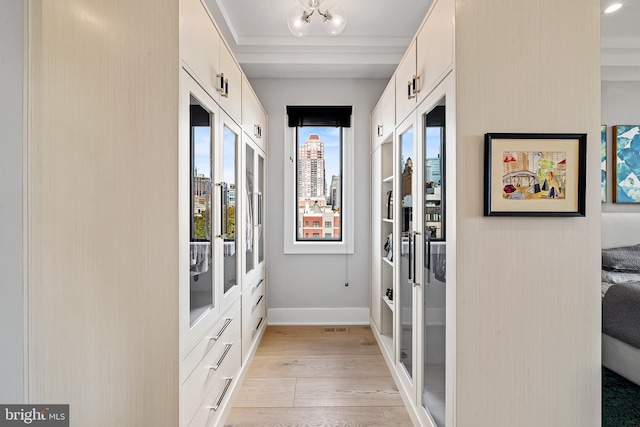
{"x": 319, "y": 181}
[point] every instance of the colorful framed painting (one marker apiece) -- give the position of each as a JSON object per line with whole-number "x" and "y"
{"x": 626, "y": 167}
{"x": 535, "y": 174}
{"x": 603, "y": 163}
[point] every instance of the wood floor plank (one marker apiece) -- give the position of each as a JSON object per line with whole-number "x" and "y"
{"x": 312, "y": 417}
{"x": 368, "y": 391}
{"x": 397, "y": 417}
{"x": 317, "y": 345}
{"x": 317, "y": 366}
{"x": 266, "y": 392}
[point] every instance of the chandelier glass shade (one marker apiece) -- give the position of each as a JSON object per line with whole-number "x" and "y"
{"x": 334, "y": 18}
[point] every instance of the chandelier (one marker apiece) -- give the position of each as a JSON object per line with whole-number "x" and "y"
{"x": 333, "y": 17}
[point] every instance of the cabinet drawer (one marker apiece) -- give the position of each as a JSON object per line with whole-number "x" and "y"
{"x": 253, "y": 319}
{"x": 204, "y": 376}
{"x": 223, "y": 383}
{"x": 225, "y": 329}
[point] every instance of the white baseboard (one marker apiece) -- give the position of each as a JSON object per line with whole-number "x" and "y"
{"x": 318, "y": 316}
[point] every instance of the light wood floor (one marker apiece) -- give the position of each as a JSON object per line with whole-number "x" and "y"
{"x": 318, "y": 376}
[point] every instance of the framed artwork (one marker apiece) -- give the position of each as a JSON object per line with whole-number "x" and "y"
{"x": 535, "y": 174}
{"x": 603, "y": 163}
{"x": 626, "y": 167}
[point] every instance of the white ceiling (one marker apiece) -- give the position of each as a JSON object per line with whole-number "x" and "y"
{"x": 375, "y": 38}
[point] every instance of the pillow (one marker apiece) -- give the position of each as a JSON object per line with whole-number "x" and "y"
{"x": 618, "y": 277}
{"x": 626, "y": 258}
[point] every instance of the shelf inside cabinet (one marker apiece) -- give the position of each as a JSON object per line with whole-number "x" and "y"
{"x": 388, "y": 302}
{"x": 389, "y": 220}
{"x": 388, "y": 179}
{"x": 386, "y": 261}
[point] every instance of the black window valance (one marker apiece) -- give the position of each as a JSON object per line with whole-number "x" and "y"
{"x": 337, "y": 116}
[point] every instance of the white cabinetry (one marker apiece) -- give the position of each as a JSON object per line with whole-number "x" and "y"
{"x": 200, "y": 46}
{"x": 407, "y": 84}
{"x": 254, "y": 119}
{"x": 222, "y": 163}
{"x": 230, "y": 81}
{"x": 410, "y": 160}
{"x": 383, "y": 117}
{"x": 205, "y": 54}
{"x": 428, "y": 59}
{"x": 434, "y": 47}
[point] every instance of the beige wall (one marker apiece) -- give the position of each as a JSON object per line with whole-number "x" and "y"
{"x": 102, "y": 210}
{"x": 528, "y": 305}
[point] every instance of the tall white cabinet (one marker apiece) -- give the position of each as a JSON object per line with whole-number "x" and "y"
{"x": 222, "y": 157}
{"x": 413, "y": 145}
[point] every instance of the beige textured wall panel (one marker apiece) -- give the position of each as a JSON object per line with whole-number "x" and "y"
{"x": 102, "y": 210}
{"x": 528, "y": 305}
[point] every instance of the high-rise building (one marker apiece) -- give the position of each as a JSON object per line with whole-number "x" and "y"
{"x": 311, "y": 169}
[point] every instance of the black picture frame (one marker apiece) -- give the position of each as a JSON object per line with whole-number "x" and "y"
{"x": 535, "y": 174}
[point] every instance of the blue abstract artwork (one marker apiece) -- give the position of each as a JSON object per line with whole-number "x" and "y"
{"x": 626, "y": 173}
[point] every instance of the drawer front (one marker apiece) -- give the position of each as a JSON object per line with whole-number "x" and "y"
{"x": 213, "y": 405}
{"x": 253, "y": 319}
{"x": 224, "y": 329}
{"x": 204, "y": 376}
{"x": 253, "y": 305}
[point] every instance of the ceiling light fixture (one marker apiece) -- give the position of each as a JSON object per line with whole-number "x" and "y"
{"x": 613, "y": 7}
{"x": 333, "y": 17}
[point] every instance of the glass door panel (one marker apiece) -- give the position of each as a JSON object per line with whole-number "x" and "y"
{"x": 434, "y": 295}
{"x": 249, "y": 211}
{"x": 260, "y": 209}
{"x": 201, "y": 261}
{"x": 228, "y": 214}
{"x": 407, "y": 250}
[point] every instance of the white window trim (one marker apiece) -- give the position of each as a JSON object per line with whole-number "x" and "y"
{"x": 291, "y": 246}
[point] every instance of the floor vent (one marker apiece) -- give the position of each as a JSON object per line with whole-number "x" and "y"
{"x": 339, "y": 330}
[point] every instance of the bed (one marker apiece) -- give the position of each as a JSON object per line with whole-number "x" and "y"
{"x": 621, "y": 294}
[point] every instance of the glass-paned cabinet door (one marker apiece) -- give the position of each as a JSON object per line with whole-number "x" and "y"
{"x": 434, "y": 289}
{"x": 407, "y": 247}
{"x": 254, "y": 208}
{"x": 259, "y": 208}
{"x": 249, "y": 202}
{"x": 229, "y": 205}
{"x": 201, "y": 290}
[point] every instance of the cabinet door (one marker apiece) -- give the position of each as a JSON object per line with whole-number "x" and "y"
{"x": 253, "y": 208}
{"x": 435, "y": 46}
{"x": 406, "y": 84}
{"x": 230, "y": 84}
{"x": 433, "y": 305}
{"x": 254, "y": 119}
{"x": 406, "y": 254}
{"x": 199, "y": 306}
{"x": 229, "y": 216}
{"x": 200, "y": 45}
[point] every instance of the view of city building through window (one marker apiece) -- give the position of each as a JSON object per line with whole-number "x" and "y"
{"x": 319, "y": 183}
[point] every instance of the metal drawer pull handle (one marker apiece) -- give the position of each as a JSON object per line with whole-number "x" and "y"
{"x": 257, "y": 303}
{"x": 227, "y": 322}
{"x": 257, "y": 327}
{"x": 219, "y": 362}
{"x": 215, "y": 407}
{"x": 257, "y": 286}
